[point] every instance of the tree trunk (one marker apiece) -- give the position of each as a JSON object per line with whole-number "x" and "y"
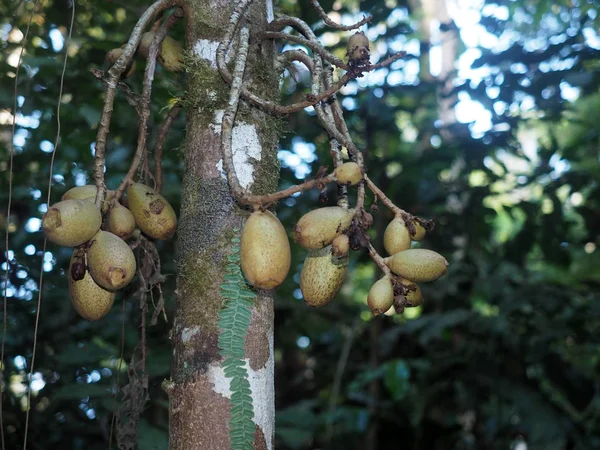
{"x": 199, "y": 392}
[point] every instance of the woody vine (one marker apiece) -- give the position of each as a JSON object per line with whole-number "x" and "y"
{"x": 104, "y": 227}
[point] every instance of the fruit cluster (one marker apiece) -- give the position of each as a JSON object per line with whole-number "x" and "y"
{"x": 102, "y": 262}
{"x": 328, "y": 233}
{"x": 170, "y": 54}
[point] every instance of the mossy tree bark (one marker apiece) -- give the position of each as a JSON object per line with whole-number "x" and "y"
{"x": 198, "y": 390}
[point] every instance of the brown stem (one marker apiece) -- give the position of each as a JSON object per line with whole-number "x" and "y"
{"x": 160, "y": 142}
{"x": 145, "y": 100}
{"x": 378, "y": 259}
{"x": 114, "y": 74}
{"x": 264, "y": 200}
{"x": 323, "y": 15}
{"x": 384, "y": 198}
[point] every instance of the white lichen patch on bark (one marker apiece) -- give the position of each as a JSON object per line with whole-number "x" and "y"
{"x": 262, "y": 386}
{"x": 188, "y": 333}
{"x": 207, "y": 50}
{"x": 245, "y": 146}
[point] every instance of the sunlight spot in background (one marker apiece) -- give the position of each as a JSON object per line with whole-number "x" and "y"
{"x": 19, "y": 362}
{"x": 590, "y": 247}
{"x": 30, "y": 250}
{"x": 303, "y": 342}
{"x": 57, "y": 39}
{"x": 33, "y": 225}
{"x": 299, "y": 159}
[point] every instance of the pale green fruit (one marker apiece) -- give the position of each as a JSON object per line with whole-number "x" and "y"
{"x": 110, "y": 261}
{"x": 322, "y": 276}
{"x": 419, "y": 232}
{"x": 418, "y": 264}
{"x": 319, "y": 227}
{"x": 121, "y": 222}
{"x": 170, "y": 56}
{"x": 89, "y": 300}
{"x": 81, "y": 192}
{"x": 153, "y": 214}
{"x": 414, "y": 296}
{"x": 88, "y": 192}
{"x": 348, "y": 173}
{"x": 265, "y": 254}
{"x": 71, "y": 222}
{"x": 381, "y": 296}
{"x": 396, "y": 237}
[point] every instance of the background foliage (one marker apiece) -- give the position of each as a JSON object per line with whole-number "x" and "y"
{"x": 505, "y": 351}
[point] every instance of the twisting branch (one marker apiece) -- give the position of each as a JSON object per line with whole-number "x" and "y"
{"x": 230, "y": 113}
{"x": 314, "y": 46}
{"x": 145, "y": 100}
{"x": 323, "y": 15}
{"x": 160, "y": 142}
{"x": 265, "y": 200}
{"x": 114, "y": 74}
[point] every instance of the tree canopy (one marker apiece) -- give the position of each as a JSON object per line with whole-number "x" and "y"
{"x": 505, "y": 350}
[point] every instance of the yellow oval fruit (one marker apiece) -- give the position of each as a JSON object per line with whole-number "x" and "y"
{"x": 319, "y": 227}
{"x": 348, "y": 173}
{"x": 89, "y": 300}
{"x": 419, "y": 232}
{"x": 170, "y": 55}
{"x": 71, "y": 222}
{"x": 121, "y": 222}
{"x": 414, "y": 295}
{"x": 110, "y": 261}
{"x": 322, "y": 276}
{"x": 340, "y": 245}
{"x": 381, "y": 296}
{"x": 265, "y": 254}
{"x": 153, "y": 214}
{"x": 418, "y": 264}
{"x": 396, "y": 237}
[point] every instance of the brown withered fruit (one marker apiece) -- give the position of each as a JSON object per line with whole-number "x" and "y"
{"x": 71, "y": 222}
{"x": 265, "y": 254}
{"x": 319, "y": 227}
{"x": 152, "y": 212}
{"x": 110, "y": 261}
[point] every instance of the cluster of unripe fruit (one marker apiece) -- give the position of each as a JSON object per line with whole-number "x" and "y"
{"x": 328, "y": 233}
{"x": 169, "y": 56}
{"x": 102, "y": 262}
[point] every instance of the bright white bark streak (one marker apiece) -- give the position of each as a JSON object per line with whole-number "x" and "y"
{"x": 262, "y": 386}
{"x": 245, "y": 146}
